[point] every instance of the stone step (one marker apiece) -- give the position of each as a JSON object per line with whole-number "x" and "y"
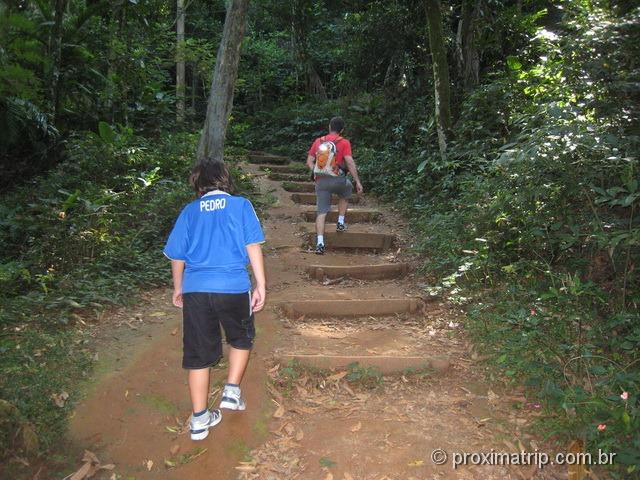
{"x": 363, "y": 272}
{"x": 288, "y": 177}
{"x": 310, "y": 199}
{"x": 354, "y": 240}
{"x": 353, "y": 216}
{"x": 385, "y": 364}
{"x": 297, "y": 168}
{"x": 350, "y": 308}
{"x": 266, "y": 158}
{"x": 299, "y": 187}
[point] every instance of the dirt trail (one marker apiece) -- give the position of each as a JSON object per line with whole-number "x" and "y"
{"x": 340, "y": 424}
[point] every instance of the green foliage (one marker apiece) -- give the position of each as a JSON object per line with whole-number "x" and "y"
{"x": 369, "y": 377}
{"x": 78, "y": 240}
{"x": 534, "y": 210}
{"x": 531, "y": 218}
{"x": 29, "y": 141}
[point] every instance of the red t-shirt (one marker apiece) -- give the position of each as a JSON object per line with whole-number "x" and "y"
{"x": 343, "y": 147}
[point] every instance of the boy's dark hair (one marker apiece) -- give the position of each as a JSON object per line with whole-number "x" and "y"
{"x": 210, "y": 175}
{"x": 336, "y": 124}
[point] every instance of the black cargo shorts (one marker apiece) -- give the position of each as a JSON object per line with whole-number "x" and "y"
{"x": 203, "y": 314}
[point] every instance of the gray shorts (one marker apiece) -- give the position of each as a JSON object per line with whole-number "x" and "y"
{"x": 325, "y": 186}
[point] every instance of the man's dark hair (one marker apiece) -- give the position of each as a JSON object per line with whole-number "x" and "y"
{"x": 336, "y": 124}
{"x": 209, "y": 175}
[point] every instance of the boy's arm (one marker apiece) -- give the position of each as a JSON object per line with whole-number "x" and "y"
{"x": 254, "y": 250}
{"x": 177, "y": 270}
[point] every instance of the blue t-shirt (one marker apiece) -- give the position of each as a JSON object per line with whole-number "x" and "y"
{"x": 210, "y": 236}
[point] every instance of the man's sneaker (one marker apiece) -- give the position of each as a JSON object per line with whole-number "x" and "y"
{"x": 232, "y": 400}
{"x": 341, "y": 227}
{"x": 320, "y": 249}
{"x": 199, "y": 426}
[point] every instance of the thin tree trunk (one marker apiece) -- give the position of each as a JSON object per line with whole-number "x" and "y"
{"x": 56, "y": 55}
{"x": 225, "y": 74}
{"x": 440, "y": 74}
{"x": 180, "y": 68}
{"x": 299, "y": 25}
{"x": 314, "y": 83}
{"x": 194, "y": 88}
{"x": 467, "y": 53}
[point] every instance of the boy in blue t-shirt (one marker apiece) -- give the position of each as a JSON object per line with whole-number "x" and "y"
{"x": 213, "y": 240}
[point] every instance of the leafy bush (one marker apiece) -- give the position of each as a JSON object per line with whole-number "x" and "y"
{"x": 83, "y": 237}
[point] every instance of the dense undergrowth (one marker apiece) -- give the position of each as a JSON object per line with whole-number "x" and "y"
{"x": 531, "y": 219}
{"x": 74, "y": 242}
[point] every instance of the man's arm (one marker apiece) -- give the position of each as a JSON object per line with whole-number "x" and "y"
{"x": 353, "y": 170}
{"x": 177, "y": 270}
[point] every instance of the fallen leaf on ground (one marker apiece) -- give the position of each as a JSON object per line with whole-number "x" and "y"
{"x": 90, "y": 467}
{"x": 175, "y": 449}
{"x": 356, "y": 427}
{"x": 329, "y": 476}
{"x": 83, "y": 471}
{"x": 577, "y": 471}
{"x": 60, "y": 398}
{"x": 416, "y": 463}
{"x": 148, "y": 464}
{"x": 337, "y": 376}
{"x": 299, "y": 435}
{"x": 279, "y": 413}
{"x": 347, "y": 476}
{"x": 274, "y": 369}
{"x": 191, "y": 456}
{"x": 174, "y": 331}
{"x": 158, "y": 314}
{"x": 246, "y": 468}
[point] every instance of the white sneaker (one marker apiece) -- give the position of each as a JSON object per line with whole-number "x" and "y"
{"x": 199, "y": 426}
{"x": 232, "y": 400}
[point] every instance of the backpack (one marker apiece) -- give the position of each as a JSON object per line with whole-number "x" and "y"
{"x": 326, "y": 158}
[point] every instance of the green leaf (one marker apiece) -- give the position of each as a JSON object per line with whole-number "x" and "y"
{"x": 327, "y": 462}
{"x": 422, "y": 165}
{"x": 513, "y": 63}
{"x": 106, "y": 132}
{"x": 626, "y": 419}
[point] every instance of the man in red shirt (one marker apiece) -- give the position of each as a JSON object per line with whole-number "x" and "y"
{"x": 332, "y": 177}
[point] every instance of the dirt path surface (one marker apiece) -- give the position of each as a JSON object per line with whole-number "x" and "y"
{"x": 367, "y": 391}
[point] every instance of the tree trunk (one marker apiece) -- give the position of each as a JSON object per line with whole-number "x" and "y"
{"x": 299, "y": 28}
{"x": 194, "y": 88}
{"x": 314, "y": 83}
{"x": 224, "y": 80}
{"x": 56, "y": 56}
{"x": 440, "y": 74}
{"x": 467, "y": 53}
{"x": 180, "y": 68}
